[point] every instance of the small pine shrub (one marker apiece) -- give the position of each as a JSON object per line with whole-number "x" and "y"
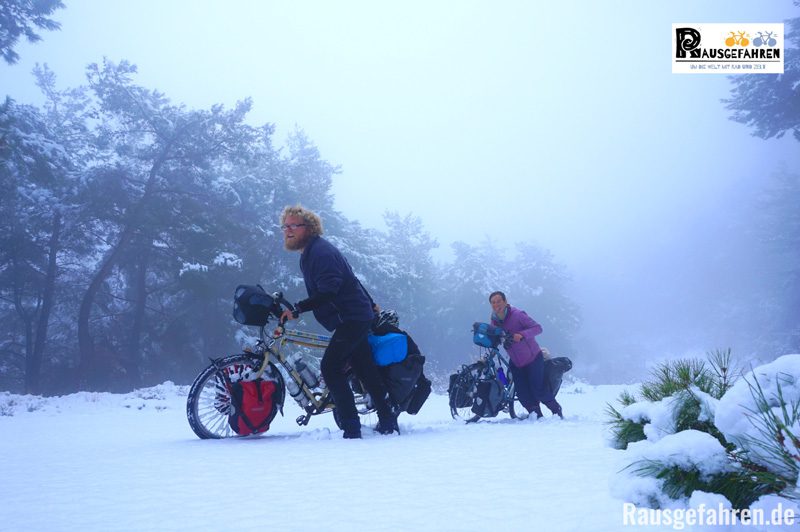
{"x": 7, "y": 407}
{"x": 742, "y": 487}
{"x": 676, "y": 379}
{"x": 777, "y": 444}
{"x": 778, "y": 441}
{"x": 624, "y": 431}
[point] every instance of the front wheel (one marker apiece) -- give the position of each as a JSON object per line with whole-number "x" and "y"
{"x": 208, "y": 404}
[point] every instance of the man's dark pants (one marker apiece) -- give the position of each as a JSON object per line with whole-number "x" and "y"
{"x": 349, "y": 346}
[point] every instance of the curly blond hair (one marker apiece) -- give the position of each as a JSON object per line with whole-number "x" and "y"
{"x": 312, "y": 219}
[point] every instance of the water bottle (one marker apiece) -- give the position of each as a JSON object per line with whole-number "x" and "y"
{"x": 501, "y": 375}
{"x": 291, "y": 385}
{"x": 306, "y": 373}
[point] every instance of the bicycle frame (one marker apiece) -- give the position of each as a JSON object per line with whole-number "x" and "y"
{"x": 208, "y": 403}
{"x": 493, "y": 367}
{"x": 488, "y": 366}
{"x": 313, "y": 401}
{"x": 505, "y": 365}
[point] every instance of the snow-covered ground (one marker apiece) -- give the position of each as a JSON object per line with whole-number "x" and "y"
{"x": 96, "y": 461}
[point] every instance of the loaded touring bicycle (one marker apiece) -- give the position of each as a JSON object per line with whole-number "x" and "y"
{"x": 239, "y": 395}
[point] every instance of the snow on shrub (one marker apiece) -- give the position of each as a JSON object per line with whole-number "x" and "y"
{"x": 666, "y": 464}
{"x": 761, "y": 415}
{"x": 681, "y": 395}
{"x": 654, "y": 469}
{"x": 747, "y": 458}
{"x": 658, "y": 418}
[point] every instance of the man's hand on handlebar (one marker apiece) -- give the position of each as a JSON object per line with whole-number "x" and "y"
{"x": 287, "y": 315}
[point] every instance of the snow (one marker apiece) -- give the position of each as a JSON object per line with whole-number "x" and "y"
{"x": 769, "y": 503}
{"x": 708, "y": 404}
{"x": 658, "y": 417}
{"x": 98, "y": 461}
{"x": 130, "y": 462}
{"x": 192, "y": 267}
{"x": 735, "y": 412}
{"x": 226, "y": 258}
{"x": 691, "y": 450}
{"x": 688, "y": 450}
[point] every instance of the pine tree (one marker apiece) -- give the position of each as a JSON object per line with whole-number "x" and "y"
{"x": 20, "y": 18}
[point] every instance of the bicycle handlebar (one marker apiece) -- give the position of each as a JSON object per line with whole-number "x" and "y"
{"x": 282, "y": 302}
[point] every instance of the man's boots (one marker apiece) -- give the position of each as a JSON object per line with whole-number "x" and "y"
{"x": 387, "y": 417}
{"x": 352, "y": 429}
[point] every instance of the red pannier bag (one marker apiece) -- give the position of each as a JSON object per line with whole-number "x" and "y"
{"x": 252, "y": 406}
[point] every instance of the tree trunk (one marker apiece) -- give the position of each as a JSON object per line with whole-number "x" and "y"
{"x": 18, "y": 282}
{"x": 85, "y": 340}
{"x": 33, "y": 365}
{"x": 134, "y": 356}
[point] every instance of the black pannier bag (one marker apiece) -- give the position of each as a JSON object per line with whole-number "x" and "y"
{"x": 401, "y": 378}
{"x": 419, "y": 395}
{"x": 464, "y": 383}
{"x": 404, "y": 380}
{"x": 488, "y": 396}
{"x": 554, "y": 369}
{"x": 252, "y": 305}
{"x": 464, "y": 380}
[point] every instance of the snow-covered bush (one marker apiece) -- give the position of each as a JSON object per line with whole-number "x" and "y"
{"x": 689, "y": 457}
{"x": 7, "y": 405}
{"x": 761, "y": 416}
{"x": 681, "y": 395}
{"x": 746, "y": 450}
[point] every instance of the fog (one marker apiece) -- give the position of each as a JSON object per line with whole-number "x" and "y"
{"x": 556, "y": 123}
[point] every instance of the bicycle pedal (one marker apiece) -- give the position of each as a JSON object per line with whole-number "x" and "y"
{"x": 302, "y": 420}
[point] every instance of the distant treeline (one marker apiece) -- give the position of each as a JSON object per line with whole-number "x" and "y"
{"x": 127, "y": 220}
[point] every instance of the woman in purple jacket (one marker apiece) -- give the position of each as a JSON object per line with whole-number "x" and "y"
{"x": 527, "y": 359}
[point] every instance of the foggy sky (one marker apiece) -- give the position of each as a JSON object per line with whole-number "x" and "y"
{"x": 559, "y": 123}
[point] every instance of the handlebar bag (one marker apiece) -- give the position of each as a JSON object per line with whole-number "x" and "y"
{"x": 252, "y": 305}
{"x": 486, "y": 335}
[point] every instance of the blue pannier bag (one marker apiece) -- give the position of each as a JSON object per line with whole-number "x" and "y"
{"x": 486, "y": 335}
{"x": 388, "y": 348}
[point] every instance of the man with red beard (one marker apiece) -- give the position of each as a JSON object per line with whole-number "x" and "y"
{"x": 343, "y": 306}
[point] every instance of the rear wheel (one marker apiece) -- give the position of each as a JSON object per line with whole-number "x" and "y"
{"x": 208, "y": 404}
{"x": 364, "y": 406}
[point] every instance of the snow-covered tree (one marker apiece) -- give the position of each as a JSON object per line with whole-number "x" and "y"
{"x": 37, "y": 209}
{"x": 20, "y": 18}
{"x": 152, "y": 190}
{"x": 770, "y": 105}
